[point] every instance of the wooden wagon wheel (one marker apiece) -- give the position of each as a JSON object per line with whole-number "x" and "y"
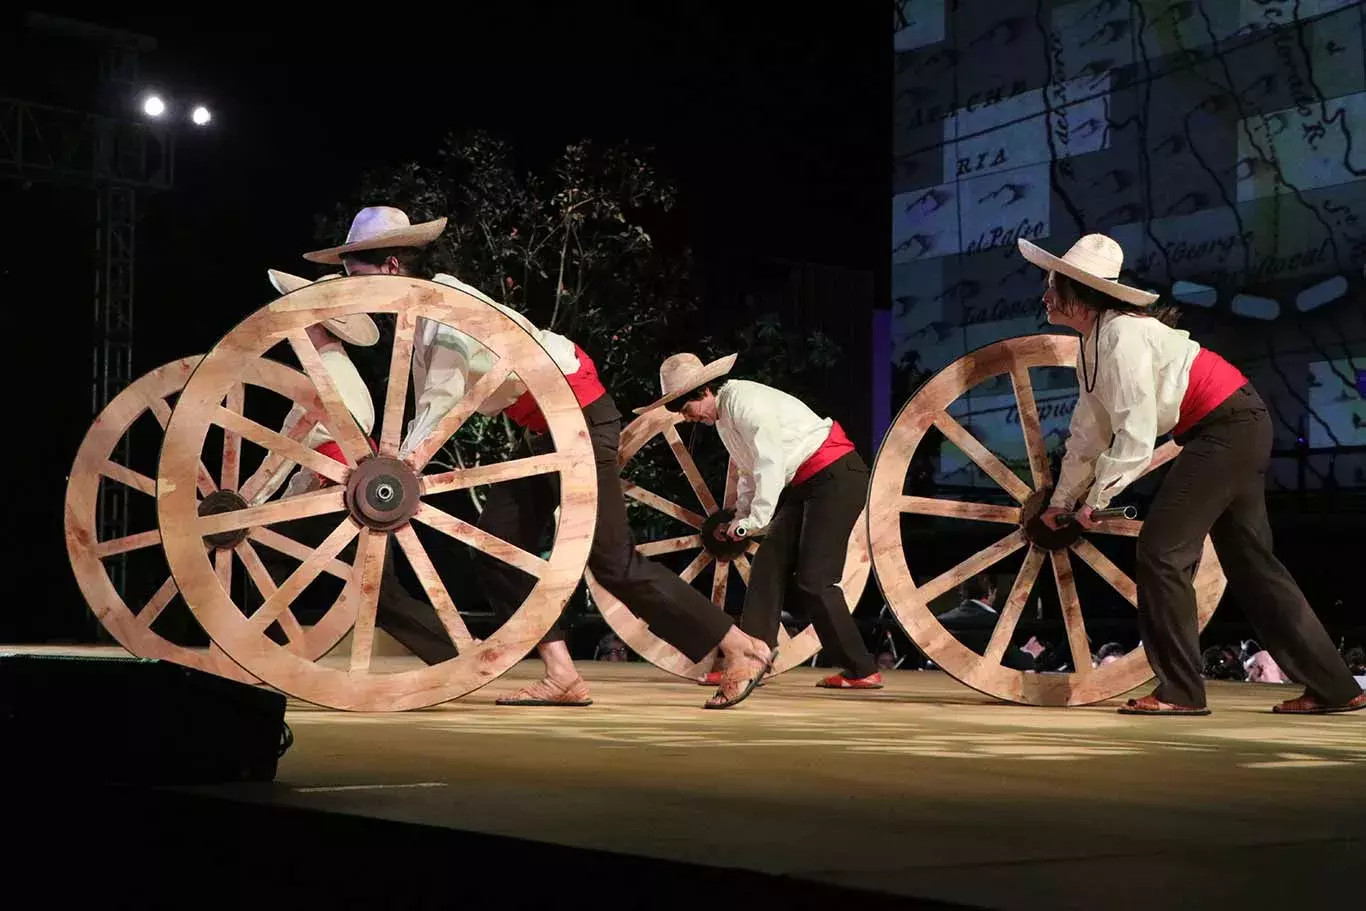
{"x": 910, "y": 600}
{"x": 793, "y": 650}
{"x": 373, "y": 496}
{"x": 94, "y": 466}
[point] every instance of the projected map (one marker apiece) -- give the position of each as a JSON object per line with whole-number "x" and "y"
{"x": 1221, "y": 142}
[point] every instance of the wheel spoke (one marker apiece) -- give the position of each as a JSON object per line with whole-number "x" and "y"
{"x": 157, "y": 603}
{"x": 315, "y": 503}
{"x": 720, "y": 576}
{"x": 655, "y": 501}
{"x": 260, "y": 577}
{"x": 231, "y": 472}
{"x": 434, "y": 587}
{"x": 1161, "y": 456}
{"x": 341, "y": 424}
{"x": 481, "y": 540}
{"x": 698, "y": 564}
{"x": 496, "y": 473}
{"x": 280, "y": 599}
{"x": 370, "y": 561}
{"x": 277, "y": 442}
{"x": 274, "y": 468}
{"x": 732, "y": 485}
{"x": 699, "y": 486}
{"x": 1014, "y": 606}
{"x": 115, "y": 546}
{"x": 222, "y": 568}
{"x": 1071, "y": 612}
{"x": 1031, "y": 426}
{"x": 291, "y": 548}
{"x": 1128, "y": 528}
{"x": 1108, "y": 571}
{"x": 957, "y": 509}
{"x": 128, "y": 477}
{"x": 990, "y": 556}
{"x": 982, "y": 457}
{"x": 741, "y": 564}
{"x": 454, "y": 419}
{"x": 396, "y": 395}
{"x": 669, "y": 545}
{"x": 162, "y": 412}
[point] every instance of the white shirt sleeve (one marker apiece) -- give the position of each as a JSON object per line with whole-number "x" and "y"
{"x": 768, "y": 477}
{"x": 1089, "y": 434}
{"x": 1127, "y": 391}
{"x": 440, "y": 372}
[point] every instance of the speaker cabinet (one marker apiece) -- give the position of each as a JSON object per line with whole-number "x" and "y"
{"x": 118, "y": 720}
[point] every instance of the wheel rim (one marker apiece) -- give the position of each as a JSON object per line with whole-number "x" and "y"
{"x": 94, "y": 465}
{"x": 909, "y": 601}
{"x": 358, "y": 688}
{"x": 792, "y": 650}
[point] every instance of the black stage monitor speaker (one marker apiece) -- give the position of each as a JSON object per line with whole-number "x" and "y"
{"x": 134, "y": 721}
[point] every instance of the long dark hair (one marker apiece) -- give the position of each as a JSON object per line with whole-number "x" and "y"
{"x": 1069, "y": 288}
{"x": 1072, "y": 291}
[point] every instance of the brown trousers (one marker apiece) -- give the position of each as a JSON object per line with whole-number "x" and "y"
{"x": 1217, "y": 487}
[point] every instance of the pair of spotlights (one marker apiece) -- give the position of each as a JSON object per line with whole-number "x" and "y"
{"x": 155, "y": 107}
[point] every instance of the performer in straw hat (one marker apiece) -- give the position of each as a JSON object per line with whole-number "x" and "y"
{"x": 445, "y": 362}
{"x": 1141, "y": 378}
{"x": 410, "y": 621}
{"x": 802, "y": 485}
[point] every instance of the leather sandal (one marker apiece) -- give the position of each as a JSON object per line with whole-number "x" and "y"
{"x": 1151, "y": 705}
{"x": 1309, "y": 704}
{"x": 744, "y": 677}
{"x": 548, "y": 692}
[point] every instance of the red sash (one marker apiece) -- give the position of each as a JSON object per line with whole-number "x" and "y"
{"x": 333, "y": 451}
{"x": 587, "y": 389}
{"x": 1212, "y": 380}
{"x": 836, "y": 446}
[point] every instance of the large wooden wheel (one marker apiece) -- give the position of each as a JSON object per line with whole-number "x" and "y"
{"x": 94, "y": 465}
{"x": 793, "y": 650}
{"x": 909, "y": 599}
{"x": 373, "y": 497}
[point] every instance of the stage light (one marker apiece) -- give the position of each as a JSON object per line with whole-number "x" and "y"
{"x": 153, "y": 106}
{"x": 200, "y": 115}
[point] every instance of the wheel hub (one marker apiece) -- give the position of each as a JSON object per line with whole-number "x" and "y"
{"x": 217, "y": 503}
{"x": 382, "y": 493}
{"x": 721, "y": 550}
{"x": 1040, "y": 534}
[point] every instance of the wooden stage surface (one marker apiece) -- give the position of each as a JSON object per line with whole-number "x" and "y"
{"x": 923, "y": 789}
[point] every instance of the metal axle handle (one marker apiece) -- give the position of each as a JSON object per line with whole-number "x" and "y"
{"x": 1099, "y": 515}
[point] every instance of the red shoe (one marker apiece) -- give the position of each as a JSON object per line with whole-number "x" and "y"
{"x": 840, "y": 682}
{"x": 1311, "y": 705}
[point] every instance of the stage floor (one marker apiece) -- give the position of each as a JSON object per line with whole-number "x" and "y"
{"x": 924, "y": 788}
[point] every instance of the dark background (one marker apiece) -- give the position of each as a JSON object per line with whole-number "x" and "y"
{"x": 775, "y": 125}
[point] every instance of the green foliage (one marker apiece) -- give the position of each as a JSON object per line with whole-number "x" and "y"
{"x": 571, "y": 246}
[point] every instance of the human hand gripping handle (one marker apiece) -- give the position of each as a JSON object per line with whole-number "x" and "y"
{"x": 1086, "y": 517}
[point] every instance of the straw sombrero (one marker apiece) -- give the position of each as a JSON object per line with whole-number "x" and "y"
{"x": 683, "y": 373}
{"x": 1095, "y": 261}
{"x": 377, "y": 227}
{"x": 354, "y": 328}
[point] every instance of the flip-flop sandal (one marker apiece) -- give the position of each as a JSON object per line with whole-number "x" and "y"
{"x": 750, "y": 685}
{"x": 1151, "y": 706}
{"x": 542, "y": 693}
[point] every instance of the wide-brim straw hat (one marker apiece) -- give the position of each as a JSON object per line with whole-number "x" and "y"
{"x": 682, "y": 373}
{"x": 377, "y": 227}
{"x": 1095, "y": 261}
{"x": 354, "y": 328}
